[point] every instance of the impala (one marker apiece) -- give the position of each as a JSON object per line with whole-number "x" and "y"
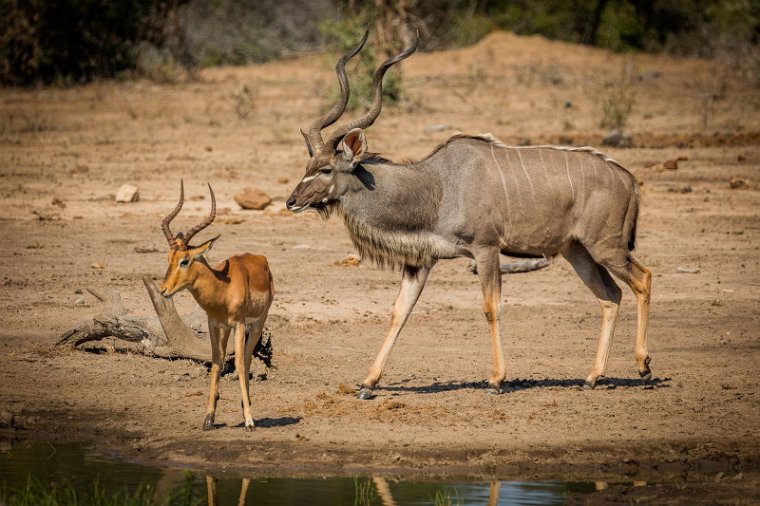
{"x": 475, "y": 197}
{"x": 235, "y": 294}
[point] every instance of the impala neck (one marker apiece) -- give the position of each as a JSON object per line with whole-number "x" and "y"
{"x": 209, "y": 285}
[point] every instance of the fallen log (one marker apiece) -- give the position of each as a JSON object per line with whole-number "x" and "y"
{"x": 532, "y": 264}
{"x": 169, "y": 337}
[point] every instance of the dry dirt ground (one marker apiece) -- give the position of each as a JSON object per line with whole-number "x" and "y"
{"x": 64, "y": 152}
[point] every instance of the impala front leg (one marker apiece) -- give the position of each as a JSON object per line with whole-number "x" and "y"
{"x": 412, "y": 282}
{"x": 240, "y": 350}
{"x": 218, "y": 351}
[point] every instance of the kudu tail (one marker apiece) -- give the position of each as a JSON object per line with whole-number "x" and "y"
{"x": 632, "y": 216}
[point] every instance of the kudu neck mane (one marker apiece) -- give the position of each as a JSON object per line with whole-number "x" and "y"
{"x": 390, "y": 211}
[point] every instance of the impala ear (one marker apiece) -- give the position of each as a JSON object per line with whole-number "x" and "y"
{"x": 198, "y": 251}
{"x": 354, "y": 145}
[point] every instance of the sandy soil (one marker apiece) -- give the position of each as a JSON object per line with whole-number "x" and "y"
{"x": 64, "y": 152}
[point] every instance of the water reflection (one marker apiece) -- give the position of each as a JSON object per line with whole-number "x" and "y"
{"x": 72, "y": 465}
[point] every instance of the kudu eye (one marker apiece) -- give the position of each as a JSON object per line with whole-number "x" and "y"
{"x": 184, "y": 262}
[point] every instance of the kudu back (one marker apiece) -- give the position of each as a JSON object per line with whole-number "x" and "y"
{"x": 475, "y": 197}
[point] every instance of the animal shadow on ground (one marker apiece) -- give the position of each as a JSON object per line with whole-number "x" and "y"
{"x": 283, "y": 421}
{"x": 525, "y": 384}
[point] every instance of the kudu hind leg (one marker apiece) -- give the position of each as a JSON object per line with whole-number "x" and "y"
{"x": 489, "y": 273}
{"x": 412, "y": 282}
{"x": 599, "y": 281}
{"x": 639, "y": 278}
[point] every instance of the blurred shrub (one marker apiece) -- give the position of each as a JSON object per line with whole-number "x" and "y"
{"x": 343, "y": 35}
{"x": 243, "y": 31}
{"x": 69, "y": 41}
{"x": 618, "y": 98}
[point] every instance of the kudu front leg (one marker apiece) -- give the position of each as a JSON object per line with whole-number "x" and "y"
{"x": 489, "y": 273}
{"x": 412, "y": 282}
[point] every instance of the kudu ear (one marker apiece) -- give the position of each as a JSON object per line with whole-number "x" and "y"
{"x": 198, "y": 251}
{"x": 354, "y": 145}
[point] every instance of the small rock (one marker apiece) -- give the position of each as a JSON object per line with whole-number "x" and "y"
{"x": 568, "y": 104}
{"x": 80, "y": 302}
{"x": 78, "y": 291}
{"x": 6, "y": 419}
{"x": 616, "y": 138}
{"x": 251, "y": 198}
{"x": 58, "y": 202}
{"x": 718, "y": 477}
{"x": 127, "y": 193}
{"x": 283, "y": 180}
{"x": 146, "y": 249}
{"x": 98, "y": 265}
{"x": 670, "y": 165}
{"x": 277, "y": 209}
{"x": 613, "y": 138}
{"x": 436, "y": 128}
{"x": 681, "y": 189}
{"x": 688, "y": 270}
{"x": 736, "y": 182}
{"x": 351, "y": 260}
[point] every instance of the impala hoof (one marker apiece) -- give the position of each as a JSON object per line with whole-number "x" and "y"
{"x": 589, "y": 384}
{"x": 249, "y": 425}
{"x": 365, "y": 394}
{"x": 495, "y": 390}
{"x": 208, "y": 423}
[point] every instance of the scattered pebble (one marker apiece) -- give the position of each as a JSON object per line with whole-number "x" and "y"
{"x": 80, "y": 302}
{"x": 98, "y": 265}
{"x": 688, "y": 270}
{"x": 252, "y": 198}
{"x": 283, "y": 180}
{"x": 736, "y": 183}
{"x": 146, "y": 249}
{"x": 617, "y": 138}
{"x": 436, "y": 128}
{"x": 351, "y": 260}
{"x": 127, "y": 193}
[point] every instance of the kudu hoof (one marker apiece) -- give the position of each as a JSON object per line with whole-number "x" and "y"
{"x": 208, "y": 423}
{"x": 646, "y": 374}
{"x": 365, "y": 394}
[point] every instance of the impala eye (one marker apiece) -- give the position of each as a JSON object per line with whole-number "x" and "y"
{"x": 326, "y": 170}
{"x": 184, "y": 262}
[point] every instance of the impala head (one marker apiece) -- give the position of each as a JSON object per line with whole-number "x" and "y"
{"x": 331, "y": 170}
{"x": 182, "y": 256}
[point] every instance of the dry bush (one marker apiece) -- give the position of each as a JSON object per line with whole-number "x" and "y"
{"x": 618, "y": 98}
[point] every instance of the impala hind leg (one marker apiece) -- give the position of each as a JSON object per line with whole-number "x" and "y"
{"x": 412, "y": 282}
{"x": 599, "y": 281}
{"x": 489, "y": 273}
{"x": 639, "y": 278}
{"x": 218, "y": 352}
{"x": 253, "y": 335}
{"x": 240, "y": 361}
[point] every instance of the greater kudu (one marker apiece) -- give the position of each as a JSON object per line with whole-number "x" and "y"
{"x": 475, "y": 197}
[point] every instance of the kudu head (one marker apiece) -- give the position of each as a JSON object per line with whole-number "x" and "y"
{"x": 182, "y": 269}
{"x": 331, "y": 170}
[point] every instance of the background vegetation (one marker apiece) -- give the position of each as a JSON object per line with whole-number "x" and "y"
{"x": 72, "y": 41}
